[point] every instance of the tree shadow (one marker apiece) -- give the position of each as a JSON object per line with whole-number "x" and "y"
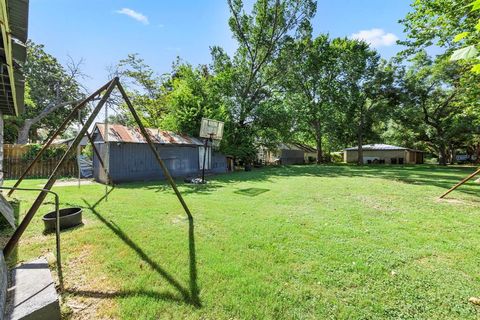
{"x": 190, "y": 295}
{"x": 186, "y": 188}
{"x": 432, "y": 175}
{"x": 124, "y": 294}
{"x": 428, "y": 175}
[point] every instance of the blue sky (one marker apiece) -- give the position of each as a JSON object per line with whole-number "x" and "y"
{"x": 105, "y": 31}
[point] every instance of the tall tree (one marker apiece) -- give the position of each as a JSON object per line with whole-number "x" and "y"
{"x": 146, "y": 89}
{"x": 312, "y": 71}
{"x": 51, "y": 91}
{"x": 367, "y": 89}
{"x": 261, "y": 36}
{"x": 194, "y": 94}
{"x": 437, "y": 23}
{"x": 437, "y": 105}
{"x": 177, "y": 100}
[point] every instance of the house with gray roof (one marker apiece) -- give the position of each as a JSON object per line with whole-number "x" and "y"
{"x": 383, "y": 154}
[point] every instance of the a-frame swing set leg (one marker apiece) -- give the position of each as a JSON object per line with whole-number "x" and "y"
{"x": 53, "y": 177}
{"x": 60, "y": 129}
{"x": 12, "y": 242}
{"x": 460, "y": 183}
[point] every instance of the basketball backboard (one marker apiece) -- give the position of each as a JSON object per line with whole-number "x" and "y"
{"x": 211, "y": 129}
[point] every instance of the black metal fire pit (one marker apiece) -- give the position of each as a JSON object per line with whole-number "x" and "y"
{"x": 69, "y": 217}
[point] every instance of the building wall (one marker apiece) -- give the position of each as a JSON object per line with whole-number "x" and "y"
{"x": 219, "y": 163}
{"x": 292, "y": 157}
{"x": 351, "y": 156}
{"x": 136, "y": 162}
{"x": 310, "y": 156}
{"x": 286, "y": 156}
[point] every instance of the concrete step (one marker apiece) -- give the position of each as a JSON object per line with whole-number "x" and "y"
{"x": 31, "y": 293}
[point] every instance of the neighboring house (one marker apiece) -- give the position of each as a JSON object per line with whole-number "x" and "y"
{"x": 130, "y": 159}
{"x": 285, "y": 154}
{"x": 69, "y": 142}
{"x": 309, "y": 153}
{"x": 384, "y": 154}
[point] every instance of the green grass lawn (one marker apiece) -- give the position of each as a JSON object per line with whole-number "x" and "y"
{"x": 300, "y": 242}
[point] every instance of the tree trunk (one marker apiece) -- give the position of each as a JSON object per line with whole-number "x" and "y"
{"x": 319, "y": 150}
{"x": 318, "y": 140}
{"x": 442, "y": 154}
{"x": 360, "y": 139}
{"x": 360, "y": 149}
{"x": 453, "y": 155}
{"x": 23, "y": 132}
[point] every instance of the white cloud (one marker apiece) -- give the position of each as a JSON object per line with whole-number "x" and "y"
{"x": 134, "y": 14}
{"x": 376, "y": 37}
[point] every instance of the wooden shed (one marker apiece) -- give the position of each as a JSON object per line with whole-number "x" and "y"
{"x": 384, "y": 154}
{"x": 130, "y": 158}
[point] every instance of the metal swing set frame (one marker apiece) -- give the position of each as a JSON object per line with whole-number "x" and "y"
{"x": 103, "y": 93}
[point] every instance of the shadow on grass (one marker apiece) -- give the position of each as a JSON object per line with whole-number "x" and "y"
{"x": 189, "y": 295}
{"x": 187, "y": 188}
{"x": 124, "y": 294}
{"x": 427, "y": 175}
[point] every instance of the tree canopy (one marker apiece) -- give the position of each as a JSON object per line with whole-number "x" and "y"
{"x": 284, "y": 83}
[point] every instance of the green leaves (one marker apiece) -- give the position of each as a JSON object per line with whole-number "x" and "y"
{"x": 469, "y": 52}
{"x": 460, "y": 36}
{"x": 475, "y": 5}
{"x": 466, "y": 53}
{"x": 476, "y": 68}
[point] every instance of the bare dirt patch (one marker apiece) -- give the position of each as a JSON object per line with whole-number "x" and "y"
{"x": 87, "y": 295}
{"x": 71, "y": 183}
{"x": 450, "y": 200}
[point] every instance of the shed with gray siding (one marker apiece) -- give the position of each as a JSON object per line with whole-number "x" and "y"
{"x": 130, "y": 158}
{"x": 285, "y": 154}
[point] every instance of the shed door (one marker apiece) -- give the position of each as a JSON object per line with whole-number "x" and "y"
{"x": 208, "y": 159}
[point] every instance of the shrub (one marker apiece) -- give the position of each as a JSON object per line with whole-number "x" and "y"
{"x": 336, "y": 156}
{"x": 52, "y": 152}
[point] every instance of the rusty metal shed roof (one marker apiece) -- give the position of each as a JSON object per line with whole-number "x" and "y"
{"x": 120, "y": 133}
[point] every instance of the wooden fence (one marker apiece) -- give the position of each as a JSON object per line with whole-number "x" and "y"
{"x": 14, "y": 164}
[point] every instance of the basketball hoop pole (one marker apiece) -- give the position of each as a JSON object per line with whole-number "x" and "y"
{"x": 205, "y": 156}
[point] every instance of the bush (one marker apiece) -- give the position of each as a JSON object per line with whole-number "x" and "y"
{"x": 336, "y": 156}
{"x": 52, "y": 152}
{"x": 88, "y": 151}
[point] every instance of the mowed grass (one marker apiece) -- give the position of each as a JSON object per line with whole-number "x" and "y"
{"x": 298, "y": 242}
